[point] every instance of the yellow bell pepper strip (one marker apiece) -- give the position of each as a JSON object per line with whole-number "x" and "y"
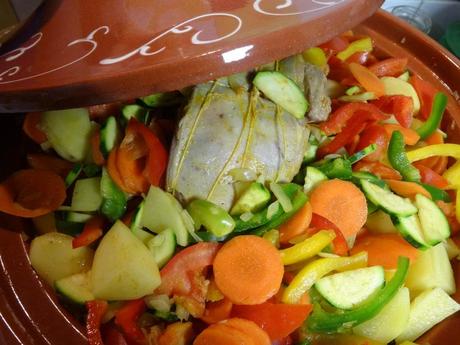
{"x": 398, "y": 158}
{"x": 452, "y": 175}
{"x": 358, "y": 46}
{"x": 321, "y": 321}
{"x": 449, "y": 150}
{"x": 315, "y": 56}
{"x": 308, "y": 276}
{"x": 307, "y": 248}
{"x": 433, "y": 122}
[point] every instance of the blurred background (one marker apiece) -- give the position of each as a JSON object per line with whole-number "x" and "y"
{"x": 440, "y": 19}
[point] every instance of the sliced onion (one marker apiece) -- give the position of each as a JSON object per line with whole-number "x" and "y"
{"x": 158, "y": 302}
{"x": 246, "y": 216}
{"x": 272, "y": 209}
{"x": 284, "y": 200}
{"x": 190, "y": 225}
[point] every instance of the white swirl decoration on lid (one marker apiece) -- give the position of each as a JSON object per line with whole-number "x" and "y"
{"x": 277, "y": 7}
{"x": 185, "y": 26}
{"x": 14, "y": 54}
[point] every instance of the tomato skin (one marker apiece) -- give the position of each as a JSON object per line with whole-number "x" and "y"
{"x": 431, "y": 177}
{"x": 426, "y": 93}
{"x": 126, "y": 318}
{"x": 378, "y": 169}
{"x": 183, "y": 276}
{"x": 335, "y": 45}
{"x": 277, "y": 319}
{"x": 391, "y": 67}
{"x": 402, "y": 107}
{"x": 373, "y": 134}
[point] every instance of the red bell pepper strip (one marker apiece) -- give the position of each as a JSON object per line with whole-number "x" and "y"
{"x": 96, "y": 310}
{"x": 340, "y": 117}
{"x": 373, "y": 134}
{"x": 402, "y": 107}
{"x": 277, "y": 319}
{"x": 126, "y": 318}
{"x": 426, "y": 93}
{"x": 183, "y": 275}
{"x": 31, "y": 126}
{"x": 431, "y": 177}
{"x": 320, "y": 223}
{"x": 391, "y": 67}
{"x": 92, "y": 230}
{"x": 379, "y": 169}
{"x": 354, "y": 126}
{"x": 157, "y": 158}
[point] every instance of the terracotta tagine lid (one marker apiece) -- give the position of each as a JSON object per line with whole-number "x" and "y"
{"x": 77, "y": 53}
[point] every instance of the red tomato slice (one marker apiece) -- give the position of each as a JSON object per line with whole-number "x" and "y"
{"x": 183, "y": 275}
{"x": 402, "y": 107}
{"x": 374, "y": 134}
{"x": 391, "y": 67}
{"x": 378, "y": 169}
{"x": 431, "y": 177}
{"x": 426, "y": 93}
{"x": 277, "y": 319}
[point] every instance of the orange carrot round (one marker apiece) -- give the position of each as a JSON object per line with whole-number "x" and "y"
{"x": 367, "y": 79}
{"x": 220, "y": 335}
{"x": 31, "y": 193}
{"x": 384, "y": 249}
{"x": 342, "y": 203}
{"x": 297, "y": 224}
{"x": 31, "y": 126}
{"x": 248, "y": 270}
{"x": 217, "y": 311}
{"x": 407, "y": 189}
{"x": 258, "y": 335}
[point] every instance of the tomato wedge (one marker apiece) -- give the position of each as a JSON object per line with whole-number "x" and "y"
{"x": 183, "y": 276}
{"x": 373, "y": 134}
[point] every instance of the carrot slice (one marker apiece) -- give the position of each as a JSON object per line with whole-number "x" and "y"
{"x": 31, "y": 126}
{"x": 411, "y": 137}
{"x": 96, "y": 153}
{"x": 296, "y": 225}
{"x": 257, "y": 334}
{"x": 384, "y": 249}
{"x": 433, "y": 139}
{"x": 367, "y": 79}
{"x": 342, "y": 203}
{"x": 248, "y": 270}
{"x": 41, "y": 161}
{"x": 217, "y": 311}
{"x": 222, "y": 335}
{"x": 31, "y": 193}
{"x": 407, "y": 189}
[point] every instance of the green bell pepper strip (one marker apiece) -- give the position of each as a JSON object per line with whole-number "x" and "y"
{"x": 214, "y": 218}
{"x": 325, "y": 322}
{"x": 315, "y": 270}
{"x": 307, "y": 248}
{"x": 336, "y": 168}
{"x": 399, "y": 160}
{"x": 363, "y": 153}
{"x": 434, "y": 120}
{"x": 436, "y": 193}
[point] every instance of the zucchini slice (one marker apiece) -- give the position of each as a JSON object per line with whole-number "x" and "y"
{"x": 109, "y": 136}
{"x": 76, "y": 288}
{"x": 411, "y": 229}
{"x": 387, "y": 200}
{"x": 434, "y": 223}
{"x": 348, "y": 289}
{"x": 282, "y": 91}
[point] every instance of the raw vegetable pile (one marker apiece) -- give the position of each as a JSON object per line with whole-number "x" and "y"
{"x": 282, "y": 207}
